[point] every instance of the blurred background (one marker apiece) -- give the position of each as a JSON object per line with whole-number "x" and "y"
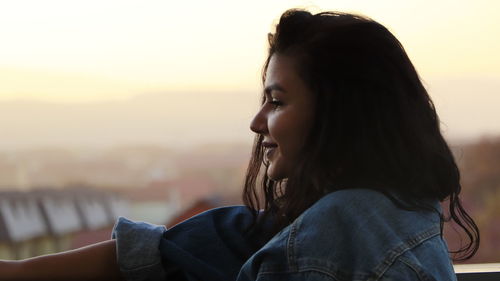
{"x": 142, "y": 108}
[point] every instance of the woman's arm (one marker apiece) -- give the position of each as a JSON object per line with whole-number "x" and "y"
{"x": 93, "y": 262}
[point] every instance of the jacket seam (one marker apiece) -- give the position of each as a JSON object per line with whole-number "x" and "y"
{"x": 421, "y": 275}
{"x": 291, "y": 248}
{"x": 405, "y": 246}
{"x": 302, "y": 270}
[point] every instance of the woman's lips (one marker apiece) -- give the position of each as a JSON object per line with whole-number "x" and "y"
{"x": 269, "y": 149}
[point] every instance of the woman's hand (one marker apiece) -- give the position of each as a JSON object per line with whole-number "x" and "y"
{"x": 93, "y": 262}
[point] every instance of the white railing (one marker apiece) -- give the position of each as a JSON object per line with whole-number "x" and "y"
{"x": 478, "y": 272}
{"x": 477, "y": 268}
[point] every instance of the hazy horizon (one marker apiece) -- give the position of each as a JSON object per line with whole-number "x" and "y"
{"x": 184, "y": 119}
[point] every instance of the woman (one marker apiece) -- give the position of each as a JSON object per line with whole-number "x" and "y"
{"x": 355, "y": 168}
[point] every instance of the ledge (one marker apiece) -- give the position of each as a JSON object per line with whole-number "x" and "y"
{"x": 478, "y": 272}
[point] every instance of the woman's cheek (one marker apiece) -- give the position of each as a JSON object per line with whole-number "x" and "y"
{"x": 277, "y": 126}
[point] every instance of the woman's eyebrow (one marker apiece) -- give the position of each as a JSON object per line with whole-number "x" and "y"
{"x": 273, "y": 87}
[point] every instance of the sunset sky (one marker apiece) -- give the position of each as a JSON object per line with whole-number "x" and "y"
{"x": 93, "y": 51}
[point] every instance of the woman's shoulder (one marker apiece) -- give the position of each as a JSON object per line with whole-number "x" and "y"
{"x": 366, "y": 205}
{"x": 356, "y": 234}
{"x": 362, "y": 231}
{"x": 364, "y": 215}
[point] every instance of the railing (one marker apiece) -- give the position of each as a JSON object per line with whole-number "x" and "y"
{"x": 478, "y": 272}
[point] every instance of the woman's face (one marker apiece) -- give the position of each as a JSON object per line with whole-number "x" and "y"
{"x": 285, "y": 118}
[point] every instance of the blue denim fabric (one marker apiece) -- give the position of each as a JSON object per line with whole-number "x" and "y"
{"x": 210, "y": 246}
{"x": 354, "y": 234}
{"x": 137, "y": 246}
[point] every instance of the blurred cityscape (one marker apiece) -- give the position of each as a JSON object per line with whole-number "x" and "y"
{"x": 54, "y": 199}
{"x": 479, "y": 163}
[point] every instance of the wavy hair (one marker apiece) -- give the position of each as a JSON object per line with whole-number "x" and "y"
{"x": 375, "y": 125}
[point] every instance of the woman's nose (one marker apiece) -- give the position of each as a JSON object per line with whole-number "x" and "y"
{"x": 259, "y": 123}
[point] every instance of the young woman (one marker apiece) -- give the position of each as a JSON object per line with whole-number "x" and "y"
{"x": 355, "y": 170}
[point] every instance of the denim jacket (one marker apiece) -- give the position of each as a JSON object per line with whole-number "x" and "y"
{"x": 354, "y": 234}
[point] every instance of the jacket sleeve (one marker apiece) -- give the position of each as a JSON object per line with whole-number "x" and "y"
{"x": 137, "y": 246}
{"x": 210, "y": 246}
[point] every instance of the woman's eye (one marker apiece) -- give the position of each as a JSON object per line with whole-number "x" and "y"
{"x": 276, "y": 103}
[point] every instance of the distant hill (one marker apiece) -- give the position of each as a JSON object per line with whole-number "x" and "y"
{"x": 468, "y": 108}
{"x": 175, "y": 119}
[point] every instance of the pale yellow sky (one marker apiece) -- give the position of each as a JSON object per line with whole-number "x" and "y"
{"x": 94, "y": 50}
{"x": 97, "y": 51}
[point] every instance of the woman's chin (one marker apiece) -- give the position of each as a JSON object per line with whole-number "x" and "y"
{"x": 274, "y": 174}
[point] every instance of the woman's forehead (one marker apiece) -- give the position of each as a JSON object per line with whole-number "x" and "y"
{"x": 280, "y": 71}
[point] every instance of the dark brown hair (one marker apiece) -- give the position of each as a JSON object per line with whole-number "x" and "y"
{"x": 375, "y": 125}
